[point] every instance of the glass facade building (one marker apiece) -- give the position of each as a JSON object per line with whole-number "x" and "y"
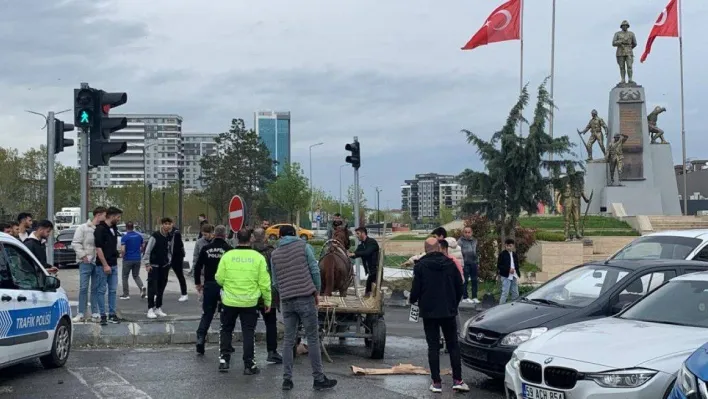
{"x": 274, "y": 130}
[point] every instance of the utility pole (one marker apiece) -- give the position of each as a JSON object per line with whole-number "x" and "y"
{"x": 180, "y": 201}
{"x": 50, "y": 183}
{"x": 378, "y": 210}
{"x": 150, "y": 207}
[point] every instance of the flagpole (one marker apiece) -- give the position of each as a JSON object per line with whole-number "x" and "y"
{"x": 683, "y": 125}
{"x": 521, "y": 63}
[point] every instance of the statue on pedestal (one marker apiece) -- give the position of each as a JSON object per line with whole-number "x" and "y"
{"x": 625, "y": 41}
{"x": 615, "y": 156}
{"x": 654, "y": 131}
{"x": 569, "y": 198}
{"x": 595, "y": 126}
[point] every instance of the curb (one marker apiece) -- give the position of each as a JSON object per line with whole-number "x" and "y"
{"x": 159, "y": 333}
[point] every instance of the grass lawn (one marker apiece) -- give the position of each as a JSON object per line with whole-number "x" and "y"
{"x": 408, "y": 237}
{"x": 557, "y": 223}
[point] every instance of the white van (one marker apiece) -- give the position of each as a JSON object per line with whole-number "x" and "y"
{"x": 35, "y": 316}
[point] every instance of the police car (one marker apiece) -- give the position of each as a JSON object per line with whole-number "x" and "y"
{"x": 35, "y": 316}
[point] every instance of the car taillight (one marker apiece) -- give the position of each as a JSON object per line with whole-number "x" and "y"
{"x": 59, "y": 245}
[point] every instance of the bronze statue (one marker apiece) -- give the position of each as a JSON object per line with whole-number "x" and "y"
{"x": 615, "y": 156}
{"x": 625, "y": 41}
{"x": 570, "y": 200}
{"x": 654, "y": 131}
{"x": 595, "y": 126}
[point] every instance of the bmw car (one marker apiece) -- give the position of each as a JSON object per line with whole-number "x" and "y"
{"x": 634, "y": 355}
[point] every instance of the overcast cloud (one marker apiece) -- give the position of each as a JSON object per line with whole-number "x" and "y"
{"x": 390, "y": 72}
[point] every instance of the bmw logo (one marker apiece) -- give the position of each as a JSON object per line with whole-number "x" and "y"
{"x": 550, "y": 359}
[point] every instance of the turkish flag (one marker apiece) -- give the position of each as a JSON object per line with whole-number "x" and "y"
{"x": 503, "y": 24}
{"x": 666, "y": 25}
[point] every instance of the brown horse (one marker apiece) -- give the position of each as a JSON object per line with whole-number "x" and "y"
{"x": 335, "y": 267}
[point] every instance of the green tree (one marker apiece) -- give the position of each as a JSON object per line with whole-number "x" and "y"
{"x": 447, "y": 215}
{"x": 513, "y": 180}
{"x": 240, "y": 165}
{"x": 290, "y": 191}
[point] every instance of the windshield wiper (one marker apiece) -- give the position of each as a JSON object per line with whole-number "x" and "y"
{"x": 548, "y": 302}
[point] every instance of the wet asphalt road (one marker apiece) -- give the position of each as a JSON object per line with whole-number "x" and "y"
{"x": 175, "y": 372}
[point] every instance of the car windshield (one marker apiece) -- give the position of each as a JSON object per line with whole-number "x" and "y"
{"x": 658, "y": 247}
{"x": 680, "y": 302}
{"x": 66, "y": 235}
{"x": 64, "y": 219}
{"x": 578, "y": 287}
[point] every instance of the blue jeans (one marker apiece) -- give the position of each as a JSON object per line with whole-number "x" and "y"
{"x": 85, "y": 276}
{"x": 98, "y": 290}
{"x": 470, "y": 272}
{"x": 508, "y": 285}
{"x": 112, "y": 283}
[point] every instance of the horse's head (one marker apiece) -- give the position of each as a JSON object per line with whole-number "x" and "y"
{"x": 340, "y": 235}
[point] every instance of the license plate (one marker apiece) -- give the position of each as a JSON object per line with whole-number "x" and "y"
{"x": 414, "y": 314}
{"x": 477, "y": 354}
{"x": 532, "y": 392}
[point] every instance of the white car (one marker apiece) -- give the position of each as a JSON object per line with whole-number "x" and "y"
{"x": 634, "y": 355}
{"x": 35, "y": 316}
{"x": 674, "y": 244}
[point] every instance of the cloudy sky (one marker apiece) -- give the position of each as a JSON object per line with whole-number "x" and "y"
{"x": 390, "y": 72}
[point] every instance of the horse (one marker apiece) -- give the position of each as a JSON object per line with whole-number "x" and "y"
{"x": 335, "y": 267}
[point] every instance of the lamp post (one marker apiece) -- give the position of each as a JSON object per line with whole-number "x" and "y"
{"x": 312, "y": 200}
{"x": 340, "y": 187}
{"x": 378, "y": 212}
{"x": 145, "y": 183}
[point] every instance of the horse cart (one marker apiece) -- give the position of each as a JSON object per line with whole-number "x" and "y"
{"x": 355, "y": 316}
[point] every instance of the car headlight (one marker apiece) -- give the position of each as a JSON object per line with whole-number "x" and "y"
{"x": 465, "y": 328}
{"x": 514, "y": 361}
{"x": 519, "y": 337}
{"x": 686, "y": 381}
{"x": 631, "y": 378}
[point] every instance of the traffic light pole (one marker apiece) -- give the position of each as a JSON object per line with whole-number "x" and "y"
{"x": 50, "y": 183}
{"x": 84, "y": 167}
{"x": 357, "y": 201}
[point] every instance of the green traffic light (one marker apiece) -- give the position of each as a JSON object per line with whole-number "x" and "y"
{"x": 84, "y": 117}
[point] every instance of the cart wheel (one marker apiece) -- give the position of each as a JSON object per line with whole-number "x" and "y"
{"x": 367, "y": 323}
{"x": 378, "y": 338}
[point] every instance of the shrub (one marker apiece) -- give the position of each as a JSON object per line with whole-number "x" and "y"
{"x": 542, "y": 235}
{"x": 525, "y": 238}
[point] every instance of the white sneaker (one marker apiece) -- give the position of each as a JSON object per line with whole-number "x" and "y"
{"x": 151, "y": 314}
{"x": 95, "y": 317}
{"x": 160, "y": 313}
{"x": 79, "y": 318}
{"x": 475, "y": 301}
{"x": 183, "y": 298}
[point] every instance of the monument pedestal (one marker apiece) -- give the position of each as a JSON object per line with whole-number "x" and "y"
{"x": 648, "y": 184}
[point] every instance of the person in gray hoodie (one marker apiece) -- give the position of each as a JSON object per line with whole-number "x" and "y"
{"x": 468, "y": 245}
{"x": 206, "y": 234}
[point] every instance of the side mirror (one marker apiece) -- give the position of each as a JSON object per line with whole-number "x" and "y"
{"x": 51, "y": 283}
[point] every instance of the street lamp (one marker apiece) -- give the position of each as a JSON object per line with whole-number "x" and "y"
{"x": 340, "y": 187}
{"x": 312, "y": 199}
{"x": 145, "y": 194}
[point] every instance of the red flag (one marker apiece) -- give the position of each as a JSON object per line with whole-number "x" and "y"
{"x": 503, "y": 24}
{"x": 666, "y": 25}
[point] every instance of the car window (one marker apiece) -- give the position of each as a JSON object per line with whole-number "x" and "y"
{"x": 579, "y": 287}
{"x": 641, "y": 285}
{"x": 66, "y": 235}
{"x": 658, "y": 247}
{"x": 25, "y": 273}
{"x": 702, "y": 255}
{"x": 681, "y": 302}
{"x": 5, "y": 277}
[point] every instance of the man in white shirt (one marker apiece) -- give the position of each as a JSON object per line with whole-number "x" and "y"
{"x": 85, "y": 248}
{"x": 508, "y": 266}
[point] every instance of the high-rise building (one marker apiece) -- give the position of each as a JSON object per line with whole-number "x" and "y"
{"x": 154, "y": 152}
{"x": 196, "y": 146}
{"x": 274, "y": 130}
{"x": 423, "y": 196}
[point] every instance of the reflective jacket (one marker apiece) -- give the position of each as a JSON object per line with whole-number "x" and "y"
{"x": 243, "y": 277}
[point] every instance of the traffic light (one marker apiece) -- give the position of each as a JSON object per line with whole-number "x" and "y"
{"x": 355, "y": 157}
{"x": 84, "y": 107}
{"x": 59, "y": 141}
{"x": 100, "y": 147}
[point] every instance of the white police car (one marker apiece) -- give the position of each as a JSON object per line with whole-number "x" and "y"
{"x": 35, "y": 316}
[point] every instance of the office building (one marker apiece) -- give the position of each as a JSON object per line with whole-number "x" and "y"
{"x": 274, "y": 130}
{"x": 154, "y": 152}
{"x": 196, "y": 146}
{"x": 423, "y": 196}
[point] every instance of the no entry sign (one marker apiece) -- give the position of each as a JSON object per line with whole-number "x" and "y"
{"x": 237, "y": 213}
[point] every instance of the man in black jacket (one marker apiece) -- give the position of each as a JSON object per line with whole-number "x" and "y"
{"x": 368, "y": 251}
{"x": 36, "y": 243}
{"x": 509, "y": 267}
{"x": 260, "y": 244}
{"x": 177, "y": 263}
{"x": 208, "y": 260}
{"x": 157, "y": 260}
{"x": 106, "y": 239}
{"x": 437, "y": 288}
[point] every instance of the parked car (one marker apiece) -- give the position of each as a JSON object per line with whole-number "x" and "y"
{"x": 64, "y": 254}
{"x": 136, "y": 228}
{"x": 692, "y": 378}
{"x": 677, "y": 244}
{"x": 35, "y": 316}
{"x": 634, "y": 355}
{"x": 589, "y": 291}
{"x": 273, "y": 231}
